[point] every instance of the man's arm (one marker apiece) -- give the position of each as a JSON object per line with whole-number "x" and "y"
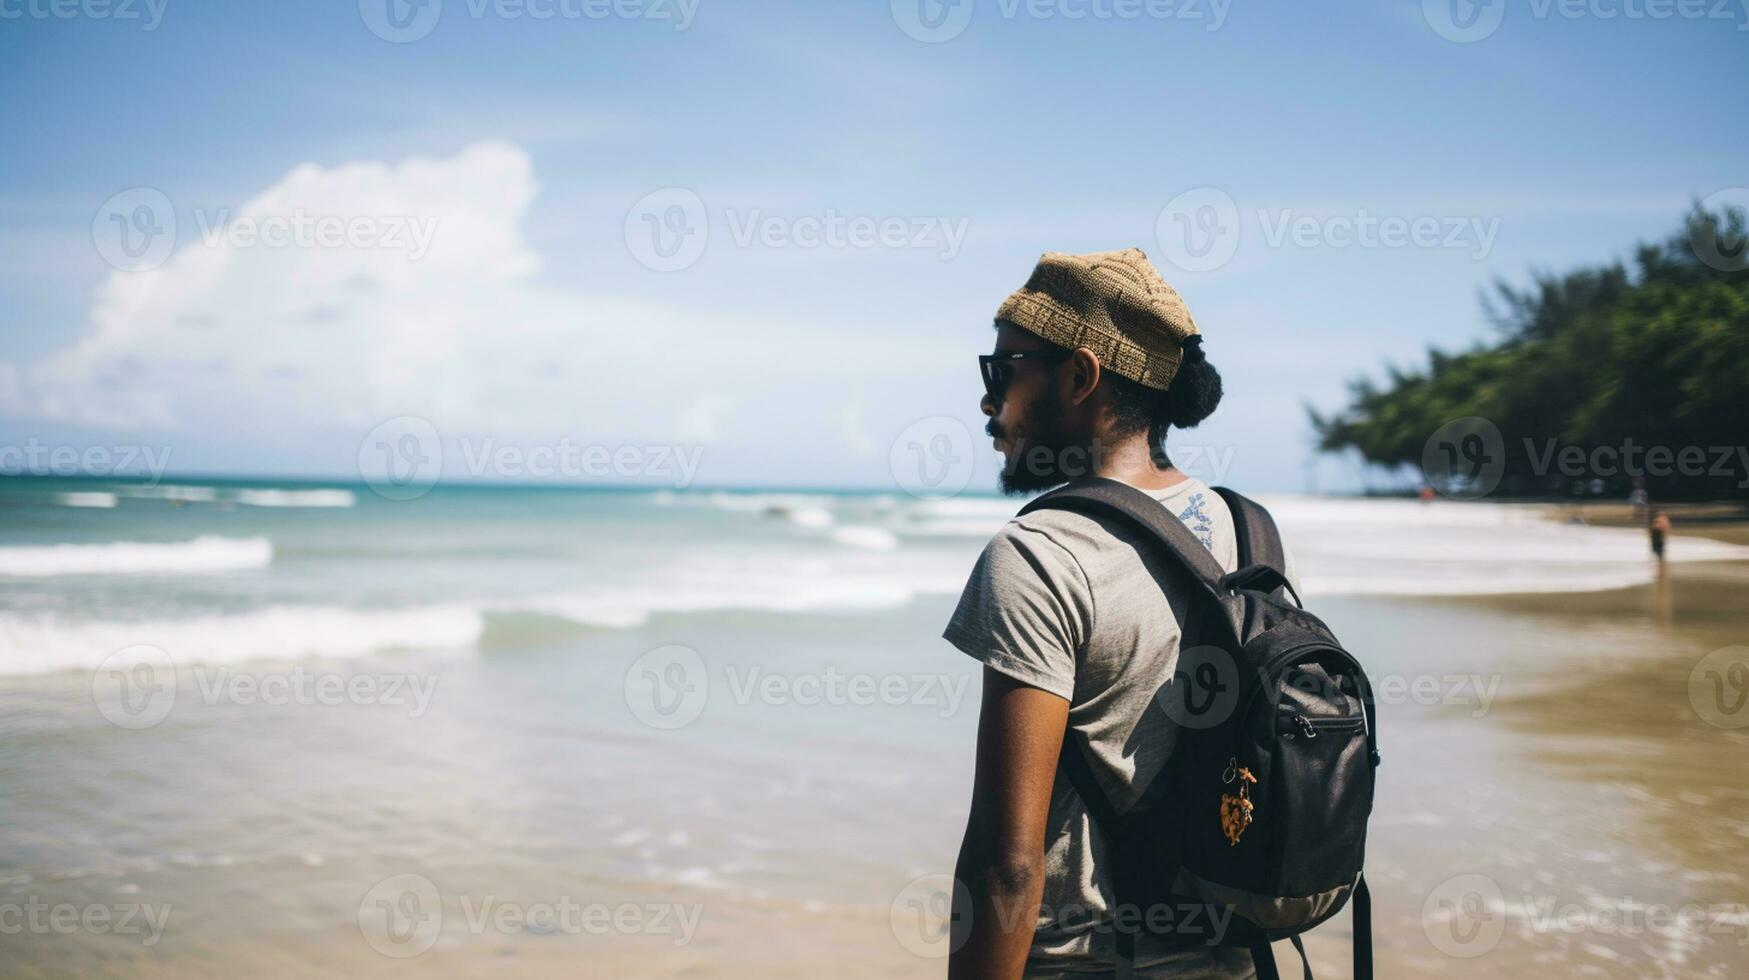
{"x": 1002, "y": 859}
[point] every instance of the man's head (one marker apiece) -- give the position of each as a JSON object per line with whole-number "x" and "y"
{"x": 1095, "y": 357}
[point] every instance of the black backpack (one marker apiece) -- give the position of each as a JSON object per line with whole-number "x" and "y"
{"x": 1255, "y": 830}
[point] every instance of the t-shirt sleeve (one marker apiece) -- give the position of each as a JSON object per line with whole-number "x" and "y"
{"x": 1025, "y": 610}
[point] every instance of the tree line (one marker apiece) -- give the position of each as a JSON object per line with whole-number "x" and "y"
{"x": 1600, "y": 378}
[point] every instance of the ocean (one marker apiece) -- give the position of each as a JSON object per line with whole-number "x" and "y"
{"x": 310, "y": 729}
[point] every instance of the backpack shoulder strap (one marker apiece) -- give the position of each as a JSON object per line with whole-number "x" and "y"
{"x": 1100, "y": 496}
{"x": 1259, "y": 541}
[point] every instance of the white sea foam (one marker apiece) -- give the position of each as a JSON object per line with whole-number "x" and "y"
{"x": 865, "y": 536}
{"x": 864, "y": 581}
{"x": 1405, "y": 547}
{"x": 31, "y": 644}
{"x": 204, "y": 554}
{"x": 296, "y": 498}
{"x": 88, "y": 499}
{"x": 170, "y": 491}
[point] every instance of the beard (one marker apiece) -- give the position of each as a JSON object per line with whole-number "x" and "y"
{"x": 1042, "y": 454}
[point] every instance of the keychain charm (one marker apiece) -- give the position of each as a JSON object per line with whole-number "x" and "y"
{"x": 1236, "y": 810}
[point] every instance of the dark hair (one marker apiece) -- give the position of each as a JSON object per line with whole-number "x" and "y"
{"x": 1191, "y": 397}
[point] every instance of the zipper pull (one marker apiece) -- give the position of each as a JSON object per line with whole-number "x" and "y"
{"x": 1306, "y": 726}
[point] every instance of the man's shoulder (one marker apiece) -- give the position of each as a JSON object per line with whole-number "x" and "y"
{"x": 1191, "y": 501}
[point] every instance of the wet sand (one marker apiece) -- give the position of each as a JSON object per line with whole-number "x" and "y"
{"x": 1555, "y": 789}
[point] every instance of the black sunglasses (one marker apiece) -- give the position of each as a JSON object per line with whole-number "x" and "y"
{"x": 995, "y": 367}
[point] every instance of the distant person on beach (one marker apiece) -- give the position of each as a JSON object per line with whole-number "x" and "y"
{"x": 1659, "y": 529}
{"x": 1095, "y": 359}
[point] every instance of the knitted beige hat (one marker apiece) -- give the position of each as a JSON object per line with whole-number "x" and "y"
{"x": 1112, "y": 303}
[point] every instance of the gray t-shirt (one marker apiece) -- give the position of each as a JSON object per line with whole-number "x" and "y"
{"x": 1083, "y": 607}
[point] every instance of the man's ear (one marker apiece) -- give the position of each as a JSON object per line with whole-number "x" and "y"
{"x": 1084, "y": 375}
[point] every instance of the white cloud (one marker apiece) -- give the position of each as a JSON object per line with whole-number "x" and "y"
{"x": 230, "y": 337}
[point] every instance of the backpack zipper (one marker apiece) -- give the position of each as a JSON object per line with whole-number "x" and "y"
{"x": 1310, "y": 726}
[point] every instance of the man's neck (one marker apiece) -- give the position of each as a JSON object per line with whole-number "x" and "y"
{"x": 1132, "y": 462}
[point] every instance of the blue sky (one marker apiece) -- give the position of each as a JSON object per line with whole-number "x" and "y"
{"x": 1556, "y": 139}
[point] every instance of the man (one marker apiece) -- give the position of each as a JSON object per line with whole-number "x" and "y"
{"x": 1096, "y": 357}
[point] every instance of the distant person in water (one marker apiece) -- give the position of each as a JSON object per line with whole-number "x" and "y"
{"x": 1659, "y": 528}
{"x": 1095, "y": 358}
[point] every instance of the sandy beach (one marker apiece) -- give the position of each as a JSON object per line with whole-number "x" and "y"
{"x": 1557, "y": 794}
